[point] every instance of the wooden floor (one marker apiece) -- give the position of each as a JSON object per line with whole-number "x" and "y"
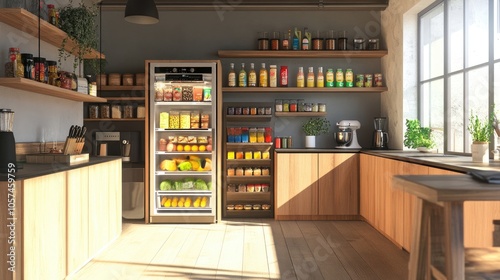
{"x": 250, "y": 249}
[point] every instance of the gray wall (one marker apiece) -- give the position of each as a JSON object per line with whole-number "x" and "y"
{"x": 200, "y": 34}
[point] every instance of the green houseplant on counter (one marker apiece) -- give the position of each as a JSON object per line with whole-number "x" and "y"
{"x": 480, "y": 131}
{"x": 418, "y": 137}
{"x": 315, "y": 127}
{"x": 79, "y": 22}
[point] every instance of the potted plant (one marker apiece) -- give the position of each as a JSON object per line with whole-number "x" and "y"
{"x": 418, "y": 137}
{"x": 315, "y": 127}
{"x": 481, "y": 131}
{"x": 79, "y": 22}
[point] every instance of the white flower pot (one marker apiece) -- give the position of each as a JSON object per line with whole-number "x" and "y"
{"x": 310, "y": 141}
{"x": 480, "y": 152}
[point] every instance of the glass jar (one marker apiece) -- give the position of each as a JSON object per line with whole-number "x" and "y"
{"x": 29, "y": 65}
{"x": 263, "y": 41}
{"x": 238, "y": 111}
{"x": 260, "y": 135}
{"x": 14, "y": 67}
{"x": 373, "y": 44}
{"x": 253, "y": 135}
{"x": 240, "y": 171}
{"x": 230, "y": 110}
{"x": 261, "y": 111}
{"x": 268, "y": 110}
{"x": 250, "y": 187}
{"x": 315, "y": 107}
{"x": 293, "y": 105}
{"x": 258, "y": 187}
{"x": 358, "y": 44}
{"x": 286, "y": 105}
{"x": 237, "y": 134}
{"x": 248, "y": 155}
{"x": 40, "y": 69}
{"x": 265, "y": 171}
{"x": 257, "y": 155}
{"x": 257, "y": 171}
{"x": 116, "y": 111}
{"x": 300, "y": 105}
{"x": 128, "y": 111}
{"x": 244, "y": 135}
{"x": 185, "y": 120}
{"x": 105, "y": 110}
{"x": 52, "y": 69}
{"x": 278, "y": 105}
{"x": 230, "y": 134}
{"x": 248, "y": 171}
{"x": 242, "y": 188}
{"x": 230, "y": 171}
{"x": 308, "y": 107}
{"x": 321, "y": 107}
{"x": 253, "y": 110}
{"x": 245, "y": 111}
{"x": 93, "y": 112}
{"x": 174, "y": 120}
{"x": 268, "y": 135}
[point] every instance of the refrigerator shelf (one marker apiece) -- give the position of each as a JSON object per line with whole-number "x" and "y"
{"x": 183, "y": 173}
{"x": 182, "y": 153}
{"x": 186, "y": 103}
{"x": 184, "y": 130}
{"x": 179, "y": 210}
{"x": 185, "y": 193}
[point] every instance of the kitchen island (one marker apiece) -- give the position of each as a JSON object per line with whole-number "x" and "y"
{"x": 56, "y": 217}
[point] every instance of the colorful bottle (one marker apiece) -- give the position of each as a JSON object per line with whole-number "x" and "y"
{"x": 300, "y": 77}
{"x": 232, "y": 76}
{"x": 252, "y": 76}
{"x": 329, "y": 78}
{"x": 339, "y": 78}
{"x": 349, "y": 78}
{"x": 242, "y": 77}
{"x": 273, "y": 76}
{"x": 310, "y": 77}
{"x": 320, "y": 78}
{"x": 306, "y": 39}
{"x": 263, "y": 76}
{"x": 296, "y": 40}
{"x": 284, "y": 76}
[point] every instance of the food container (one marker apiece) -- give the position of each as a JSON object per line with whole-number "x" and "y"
{"x": 266, "y": 206}
{"x": 230, "y": 172}
{"x": 247, "y": 207}
{"x": 185, "y": 120}
{"x": 250, "y": 188}
{"x": 230, "y": 155}
{"x": 238, "y": 207}
{"x": 260, "y": 135}
{"x": 257, "y": 171}
{"x": 256, "y": 207}
{"x": 128, "y": 79}
{"x": 373, "y": 44}
{"x": 141, "y": 112}
{"x": 187, "y": 93}
{"x": 174, "y": 120}
{"x": 197, "y": 94}
{"x": 230, "y": 207}
{"x": 102, "y": 79}
{"x": 265, "y": 171}
{"x": 265, "y": 154}
{"x": 128, "y": 111}
{"x": 176, "y": 93}
{"x": 248, "y": 155}
{"x": 116, "y": 111}
{"x": 114, "y": 79}
{"x": 257, "y": 187}
{"x": 93, "y": 111}
{"x": 168, "y": 94}
{"x": 205, "y": 120}
{"x": 231, "y": 188}
{"x": 252, "y": 135}
{"x": 265, "y": 187}
{"x": 139, "y": 79}
{"x": 239, "y": 155}
{"x": 257, "y": 155}
{"x": 105, "y": 110}
{"x": 248, "y": 171}
{"x": 195, "y": 120}
{"x": 242, "y": 188}
{"x": 240, "y": 171}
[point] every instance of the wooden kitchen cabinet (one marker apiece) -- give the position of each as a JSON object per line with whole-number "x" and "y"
{"x": 316, "y": 186}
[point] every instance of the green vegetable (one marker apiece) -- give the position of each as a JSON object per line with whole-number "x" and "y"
{"x": 185, "y": 166}
{"x": 417, "y": 136}
{"x": 199, "y": 184}
{"x": 178, "y": 185}
{"x": 166, "y": 185}
{"x": 481, "y": 131}
{"x": 209, "y": 185}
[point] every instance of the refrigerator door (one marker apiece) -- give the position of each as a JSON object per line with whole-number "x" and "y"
{"x": 183, "y": 132}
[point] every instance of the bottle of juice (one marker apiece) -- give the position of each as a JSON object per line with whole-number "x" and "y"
{"x": 300, "y": 77}
{"x": 320, "y": 79}
{"x": 263, "y": 76}
{"x": 329, "y": 78}
{"x": 306, "y": 39}
{"x": 273, "y": 76}
{"x": 349, "y": 78}
{"x": 296, "y": 39}
{"x": 252, "y": 76}
{"x": 242, "y": 77}
{"x": 310, "y": 77}
{"x": 339, "y": 78}
{"x": 232, "y": 76}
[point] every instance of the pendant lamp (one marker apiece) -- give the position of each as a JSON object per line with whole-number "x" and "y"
{"x": 141, "y": 12}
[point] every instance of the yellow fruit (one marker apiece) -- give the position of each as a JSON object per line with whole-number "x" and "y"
{"x": 187, "y": 203}
{"x": 197, "y": 202}
{"x": 195, "y": 164}
{"x": 163, "y": 200}
{"x": 203, "y": 202}
{"x": 180, "y": 148}
{"x": 202, "y": 148}
{"x": 208, "y": 165}
{"x": 181, "y": 202}
{"x": 175, "y": 201}
{"x": 187, "y": 148}
{"x": 194, "y": 148}
{"x": 194, "y": 157}
{"x": 168, "y": 165}
{"x": 179, "y": 160}
{"x": 168, "y": 203}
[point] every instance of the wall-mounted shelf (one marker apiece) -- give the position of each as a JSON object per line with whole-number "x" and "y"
{"x": 114, "y": 120}
{"x": 248, "y": 118}
{"x": 117, "y": 88}
{"x": 46, "y": 89}
{"x": 126, "y": 98}
{"x": 292, "y": 90}
{"x": 27, "y": 22}
{"x": 300, "y": 54}
{"x": 300, "y": 114}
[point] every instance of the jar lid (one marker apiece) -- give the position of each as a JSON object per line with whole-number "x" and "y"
{"x": 26, "y": 55}
{"x": 39, "y": 59}
{"x": 13, "y": 49}
{"x": 51, "y": 62}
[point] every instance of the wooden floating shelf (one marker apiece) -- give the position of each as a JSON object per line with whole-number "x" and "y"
{"x": 301, "y": 54}
{"x": 28, "y": 23}
{"x": 300, "y": 90}
{"x": 248, "y": 144}
{"x": 46, "y": 89}
{"x": 300, "y": 114}
{"x": 114, "y": 120}
{"x": 118, "y": 88}
{"x": 125, "y": 98}
{"x": 248, "y": 118}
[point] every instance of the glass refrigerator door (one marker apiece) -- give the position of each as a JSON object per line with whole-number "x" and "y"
{"x": 183, "y": 123}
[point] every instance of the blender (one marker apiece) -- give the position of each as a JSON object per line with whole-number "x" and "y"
{"x": 7, "y": 142}
{"x": 380, "y": 136}
{"x": 346, "y": 137}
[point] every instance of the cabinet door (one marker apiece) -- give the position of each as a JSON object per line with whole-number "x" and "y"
{"x": 338, "y": 177}
{"x": 296, "y": 184}
{"x": 44, "y": 226}
{"x": 367, "y": 187}
{"x": 78, "y": 217}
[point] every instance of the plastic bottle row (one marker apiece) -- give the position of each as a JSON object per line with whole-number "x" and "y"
{"x": 249, "y": 135}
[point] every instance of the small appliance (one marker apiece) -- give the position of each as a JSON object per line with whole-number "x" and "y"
{"x": 346, "y": 137}
{"x": 380, "y": 136}
{"x": 118, "y": 143}
{"x": 7, "y": 141}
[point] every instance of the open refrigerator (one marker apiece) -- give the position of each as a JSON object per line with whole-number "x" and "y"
{"x": 183, "y": 141}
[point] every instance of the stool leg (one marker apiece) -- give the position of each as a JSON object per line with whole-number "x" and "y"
{"x": 454, "y": 232}
{"x": 419, "y": 256}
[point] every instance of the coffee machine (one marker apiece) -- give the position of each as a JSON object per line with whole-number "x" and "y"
{"x": 380, "y": 136}
{"x": 7, "y": 141}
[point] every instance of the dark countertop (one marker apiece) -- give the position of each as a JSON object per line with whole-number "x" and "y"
{"x": 31, "y": 170}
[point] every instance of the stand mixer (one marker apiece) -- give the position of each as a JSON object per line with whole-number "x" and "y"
{"x": 346, "y": 137}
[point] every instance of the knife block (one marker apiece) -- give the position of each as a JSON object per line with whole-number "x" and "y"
{"x": 73, "y": 146}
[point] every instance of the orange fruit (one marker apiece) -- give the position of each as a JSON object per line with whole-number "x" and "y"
{"x": 202, "y": 148}
{"x": 187, "y": 148}
{"x": 194, "y": 148}
{"x": 180, "y": 148}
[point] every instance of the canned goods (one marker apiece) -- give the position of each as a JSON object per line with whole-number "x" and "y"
{"x": 378, "y": 79}
{"x": 368, "y": 80}
{"x": 339, "y": 78}
{"x": 360, "y": 80}
{"x": 261, "y": 111}
{"x": 277, "y": 143}
{"x": 349, "y": 78}
{"x": 329, "y": 78}
{"x": 284, "y": 142}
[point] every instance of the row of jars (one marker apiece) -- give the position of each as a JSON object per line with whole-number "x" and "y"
{"x": 248, "y": 171}
{"x": 249, "y": 110}
{"x": 298, "y": 105}
{"x": 248, "y": 155}
{"x": 249, "y": 135}
{"x": 248, "y": 187}
{"x": 184, "y": 120}
{"x": 116, "y": 111}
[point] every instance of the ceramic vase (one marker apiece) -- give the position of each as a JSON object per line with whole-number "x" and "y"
{"x": 480, "y": 152}
{"x": 310, "y": 141}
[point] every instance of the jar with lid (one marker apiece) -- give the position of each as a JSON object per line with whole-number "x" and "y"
{"x": 308, "y": 107}
{"x": 239, "y": 171}
{"x": 244, "y": 135}
{"x": 373, "y": 44}
{"x": 315, "y": 107}
{"x": 263, "y": 40}
{"x": 253, "y": 135}
{"x": 293, "y": 105}
{"x": 248, "y": 155}
{"x": 260, "y": 135}
{"x": 265, "y": 171}
{"x": 116, "y": 111}
{"x": 185, "y": 120}
{"x": 250, "y": 187}
{"x": 40, "y": 69}
{"x": 330, "y": 42}
{"x": 358, "y": 44}
{"x": 245, "y": 110}
{"x": 275, "y": 41}
{"x": 268, "y": 135}
{"x": 242, "y": 188}
{"x": 14, "y": 67}
{"x": 29, "y": 65}
{"x": 105, "y": 110}
{"x": 261, "y": 111}
{"x": 237, "y": 134}
{"x": 174, "y": 120}
{"x": 286, "y": 105}
{"x": 278, "y": 105}
{"x": 230, "y": 171}
{"x": 52, "y": 69}
{"x": 300, "y": 105}
{"x": 257, "y": 155}
{"x": 128, "y": 111}
{"x": 53, "y": 17}
{"x": 268, "y": 110}
{"x": 253, "y": 110}
{"x": 248, "y": 171}
{"x": 257, "y": 171}
{"x": 321, "y": 107}
{"x": 93, "y": 111}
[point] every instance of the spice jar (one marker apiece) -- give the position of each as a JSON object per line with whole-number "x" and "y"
{"x": 278, "y": 105}
{"x": 116, "y": 111}
{"x": 105, "y": 111}
{"x": 260, "y": 135}
{"x": 286, "y": 105}
{"x": 321, "y": 107}
{"x": 253, "y": 110}
{"x": 293, "y": 105}
{"x": 239, "y": 171}
{"x": 245, "y": 111}
{"x": 358, "y": 44}
{"x": 253, "y": 135}
{"x": 268, "y": 135}
{"x": 29, "y": 65}
{"x": 52, "y": 69}
{"x": 248, "y": 171}
{"x": 263, "y": 41}
{"x": 14, "y": 68}
{"x": 373, "y": 44}
{"x": 128, "y": 111}
{"x": 261, "y": 111}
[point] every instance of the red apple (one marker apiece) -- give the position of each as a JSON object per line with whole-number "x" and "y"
{"x": 209, "y": 148}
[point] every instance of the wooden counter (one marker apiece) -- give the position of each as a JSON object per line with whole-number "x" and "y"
{"x": 58, "y": 221}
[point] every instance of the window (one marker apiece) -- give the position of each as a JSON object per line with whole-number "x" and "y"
{"x": 457, "y": 74}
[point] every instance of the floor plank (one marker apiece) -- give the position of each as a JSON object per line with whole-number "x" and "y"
{"x": 249, "y": 249}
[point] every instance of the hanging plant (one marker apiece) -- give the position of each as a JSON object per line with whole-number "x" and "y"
{"x": 79, "y": 22}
